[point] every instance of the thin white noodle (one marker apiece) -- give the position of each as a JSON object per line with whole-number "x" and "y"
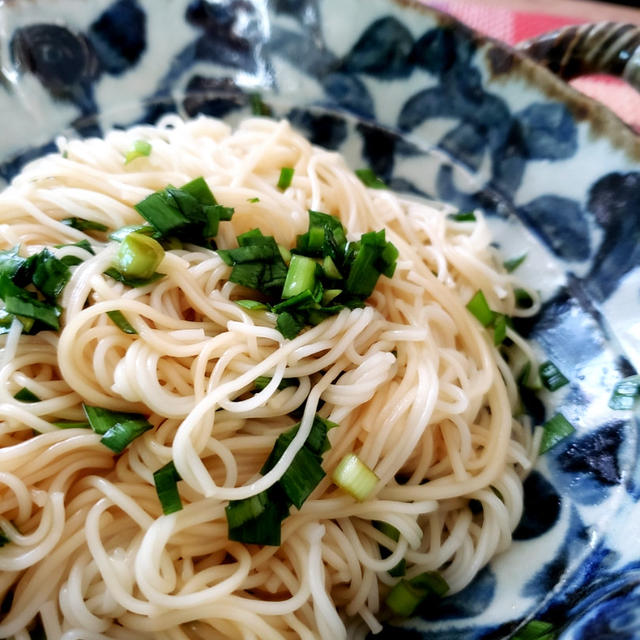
{"x": 414, "y": 382}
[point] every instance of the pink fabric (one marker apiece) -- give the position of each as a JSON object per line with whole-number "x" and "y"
{"x": 514, "y": 26}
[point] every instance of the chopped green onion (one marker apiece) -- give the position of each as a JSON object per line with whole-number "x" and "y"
{"x": 262, "y": 381}
{"x": 289, "y": 325}
{"x": 625, "y": 394}
{"x": 166, "y": 481}
{"x": 555, "y": 430}
{"x": 355, "y": 477}
{"x": 391, "y": 532}
{"x": 190, "y": 213}
{"x": 535, "y": 630}
{"x": 11, "y": 262}
{"x": 370, "y": 179}
{"x": 258, "y": 107}
{"x": 551, "y": 376}
{"x": 330, "y": 269}
{"x": 24, "y": 395}
{"x": 255, "y": 520}
{"x": 139, "y": 149}
{"x": 252, "y": 305}
{"x": 372, "y": 255}
{"x": 120, "y": 234}
{"x": 403, "y": 599}
{"x": 121, "y": 322}
{"x": 253, "y": 200}
{"x": 71, "y": 424}
{"x": 132, "y": 282}
{"x": 512, "y": 264}
{"x": 286, "y": 176}
{"x": 83, "y": 244}
{"x": 301, "y": 276}
{"x": 19, "y": 302}
{"x": 50, "y": 275}
{"x": 463, "y": 216}
{"x": 479, "y": 307}
{"x": 84, "y": 225}
{"x": 523, "y": 299}
{"x": 499, "y": 328}
{"x": 118, "y": 429}
{"x": 138, "y": 256}
{"x": 407, "y": 595}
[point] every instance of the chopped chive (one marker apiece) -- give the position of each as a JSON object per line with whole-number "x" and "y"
{"x": 391, "y": 532}
{"x": 463, "y": 216}
{"x": 407, "y": 595}
{"x": 121, "y": 322}
{"x": 83, "y": 244}
{"x": 118, "y": 429}
{"x": 625, "y": 394}
{"x": 512, "y": 264}
{"x": 252, "y": 305}
{"x": 120, "y": 234}
{"x": 555, "y": 430}
{"x": 535, "y": 630}
{"x": 138, "y": 256}
{"x": 258, "y": 107}
{"x": 19, "y": 302}
{"x": 479, "y": 307}
{"x": 301, "y": 276}
{"x": 262, "y": 381}
{"x": 289, "y": 325}
{"x": 523, "y": 299}
{"x": 139, "y": 149}
{"x": 84, "y": 225}
{"x": 499, "y": 328}
{"x": 330, "y": 269}
{"x": 253, "y": 200}
{"x": 286, "y": 176}
{"x": 255, "y": 520}
{"x": 71, "y": 424}
{"x": 552, "y": 378}
{"x": 24, "y": 395}
{"x": 370, "y": 179}
{"x": 50, "y": 275}
{"x": 355, "y": 477}
{"x": 166, "y": 481}
{"x": 132, "y": 282}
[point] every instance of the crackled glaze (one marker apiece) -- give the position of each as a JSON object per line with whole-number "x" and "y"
{"x": 435, "y": 110}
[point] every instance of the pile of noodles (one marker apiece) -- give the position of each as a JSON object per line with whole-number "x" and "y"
{"x": 414, "y": 381}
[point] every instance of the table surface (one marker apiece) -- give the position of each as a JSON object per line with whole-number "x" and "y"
{"x": 515, "y": 20}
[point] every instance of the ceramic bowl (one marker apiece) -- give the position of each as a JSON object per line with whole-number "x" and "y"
{"x": 435, "y": 110}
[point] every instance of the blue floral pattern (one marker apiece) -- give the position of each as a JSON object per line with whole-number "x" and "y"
{"x": 439, "y": 111}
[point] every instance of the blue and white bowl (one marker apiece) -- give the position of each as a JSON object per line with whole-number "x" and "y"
{"x": 437, "y": 110}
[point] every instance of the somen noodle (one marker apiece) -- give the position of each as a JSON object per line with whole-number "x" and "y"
{"x": 417, "y": 387}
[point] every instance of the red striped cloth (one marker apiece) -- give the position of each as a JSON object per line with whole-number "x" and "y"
{"x": 514, "y": 26}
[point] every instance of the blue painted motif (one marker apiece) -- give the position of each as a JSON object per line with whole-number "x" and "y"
{"x": 548, "y": 131}
{"x": 541, "y": 507}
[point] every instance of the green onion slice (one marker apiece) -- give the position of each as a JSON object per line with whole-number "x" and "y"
{"x": 253, "y": 200}
{"x": 625, "y": 394}
{"x": 24, "y": 395}
{"x": 286, "y": 176}
{"x": 499, "y": 328}
{"x": 512, "y": 264}
{"x": 84, "y": 225}
{"x": 139, "y": 149}
{"x": 118, "y": 429}
{"x": 370, "y": 179}
{"x": 552, "y": 378}
{"x": 71, "y": 424}
{"x": 480, "y": 309}
{"x": 138, "y": 256}
{"x": 121, "y": 322}
{"x": 523, "y": 298}
{"x": 132, "y": 282}
{"x": 301, "y": 276}
{"x": 252, "y": 305}
{"x": 262, "y": 381}
{"x": 120, "y": 234}
{"x": 535, "y": 630}
{"x": 463, "y": 216}
{"x": 555, "y": 430}
{"x": 355, "y": 477}
{"x": 406, "y": 595}
{"x": 166, "y": 481}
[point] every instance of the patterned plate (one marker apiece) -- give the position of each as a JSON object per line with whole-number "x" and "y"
{"x": 435, "y": 110}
